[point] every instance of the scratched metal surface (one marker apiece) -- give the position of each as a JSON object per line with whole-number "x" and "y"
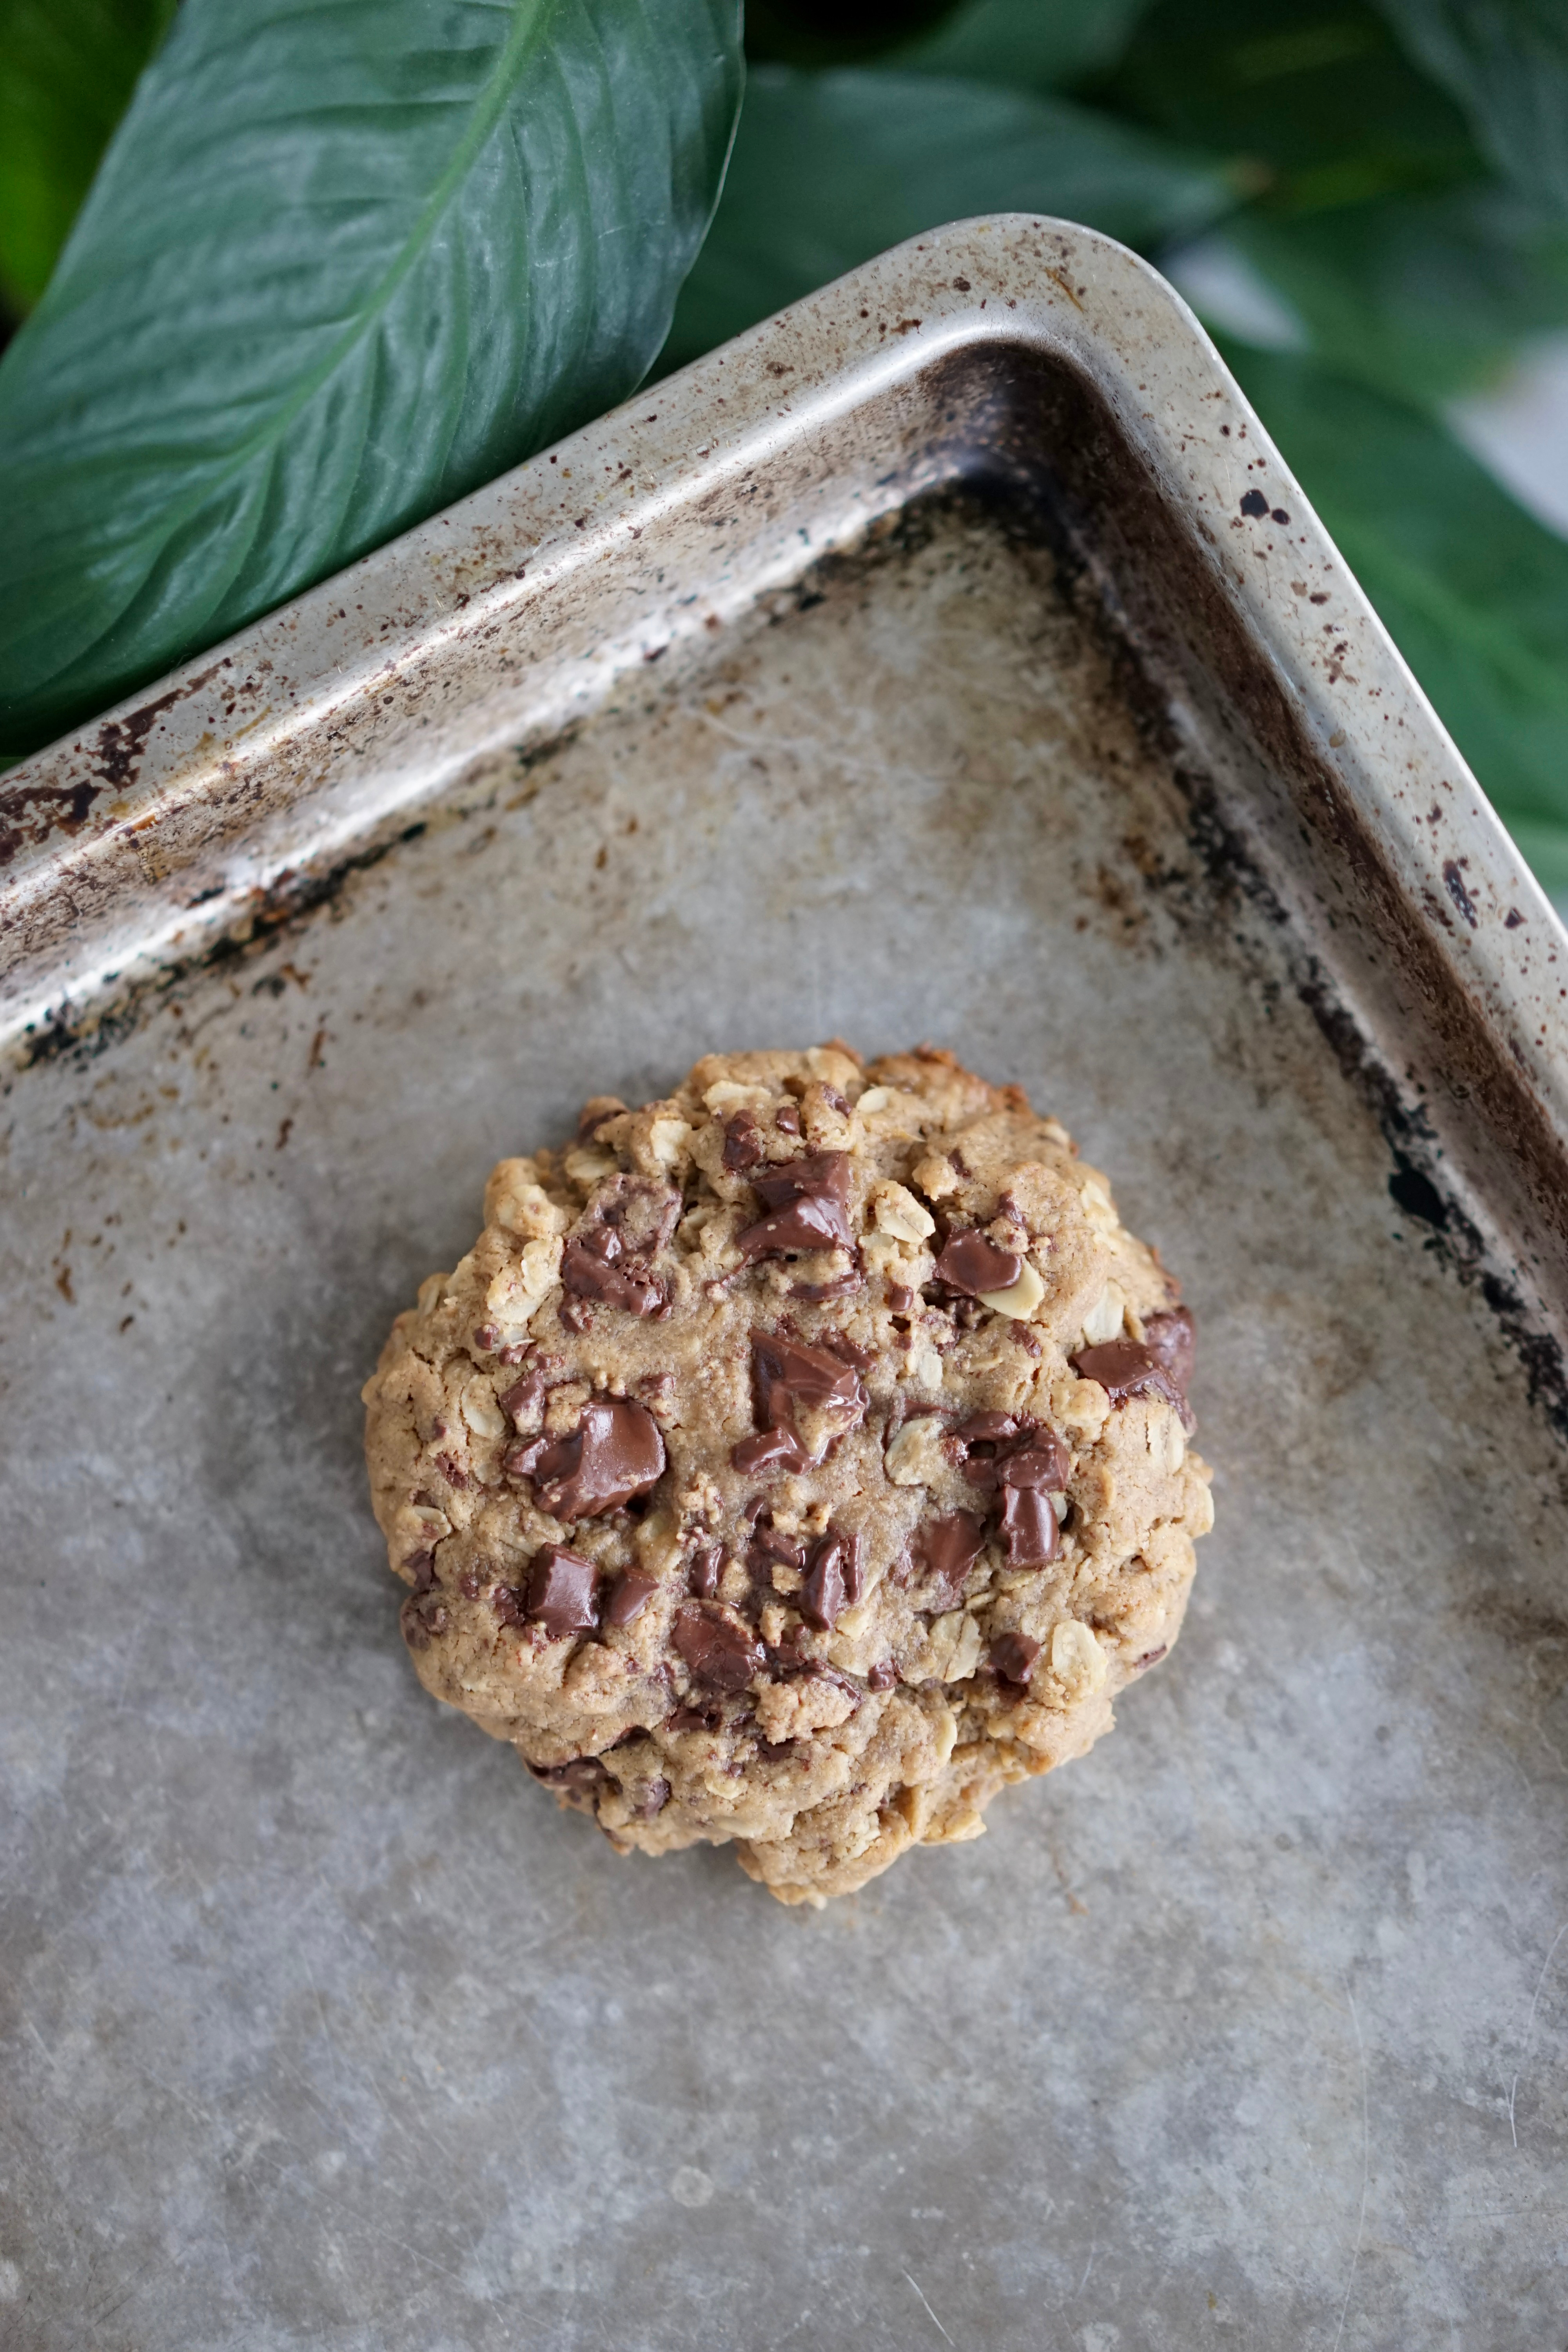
{"x": 323, "y": 2027}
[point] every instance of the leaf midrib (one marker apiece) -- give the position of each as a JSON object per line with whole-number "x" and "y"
{"x": 528, "y": 20}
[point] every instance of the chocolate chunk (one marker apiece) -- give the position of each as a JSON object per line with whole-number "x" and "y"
{"x": 1040, "y": 1461}
{"x": 1123, "y": 1369}
{"x": 841, "y": 1287}
{"x": 900, "y": 1298}
{"x": 563, "y": 1592}
{"x": 694, "y": 1718}
{"x": 422, "y": 1619}
{"x": 790, "y": 1377}
{"x": 1172, "y": 1339}
{"x": 945, "y": 1549}
{"x": 581, "y": 1776}
{"x": 632, "y": 1594}
{"x": 594, "y": 1265}
{"x": 1013, "y": 1656}
{"x": 770, "y": 1543}
{"x": 786, "y": 1119}
{"x": 614, "y": 1451}
{"x": 651, "y": 1800}
{"x": 743, "y": 1142}
{"x": 510, "y": 1602}
{"x": 1028, "y": 1526}
{"x": 776, "y": 1449}
{"x": 421, "y": 1566}
{"x": 702, "y": 1576}
{"x": 809, "y": 1197}
{"x": 882, "y": 1675}
{"x": 593, "y": 1114}
{"x": 839, "y": 1343}
{"x": 720, "y": 1652}
{"x": 525, "y": 1397}
{"x": 971, "y": 1263}
{"x": 787, "y": 1377}
{"x": 833, "y": 1580}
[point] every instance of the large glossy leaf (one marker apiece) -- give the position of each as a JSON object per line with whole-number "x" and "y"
{"x": 1425, "y": 297}
{"x": 831, "y": 168}
{"x": 1474, "y": 591}
{"x": 1505, "y": 62}
{"x": 1025, "y": 44}
{"x": 344, "y": 261}
{"x": 67, "y": 69}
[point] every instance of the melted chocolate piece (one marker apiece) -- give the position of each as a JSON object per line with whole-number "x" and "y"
{"x": 707, "y": 1568}
{"x": 882, "y": 1675}
{"x": 809, "y": 1199}
{"x": 769, "y": 1449}
{"x": 579, "y": 1777}
{"x": 421, "y": 1620}
{"x": 1124, "y": 1368}
{"x": 839, "y": 1343}
{"x": 1172, "y": 1339}
{"x": 945, "y": 1550}
{"x": 786, "y": 1119}
{"x": 652, "y": 1799}
{"x": 841, "y": 1287}
{"x": 788, "y": 1376}
{"x": 1040, "y": 1460}
{"x": 510, "y": 1602}
{"x": 563, "y": 1592}
{"x": 1012, "y": 1657}
{"x": 632, "y": 1594}
{"x": 594, "y": 1265}
{"x": 770, "y": 1544}
{"x": 900, "y": 1298}
{"x": 971, "y": 1263}
{"x": 525, "y": 1397}
{"x": 834, "y": 1581}
{"x": 743, "y": 1142}
{"x": 695, "y": 1719}
{"x": 719, "y": 1652}
{"x": 1028, "y": 1526}
{"x": 614, "y": 1451}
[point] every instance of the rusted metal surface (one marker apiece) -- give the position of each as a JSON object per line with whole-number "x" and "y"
{"x": 982, "y": 712}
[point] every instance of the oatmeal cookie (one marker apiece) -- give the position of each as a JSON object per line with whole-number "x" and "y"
{"x": 792, "y": 1462}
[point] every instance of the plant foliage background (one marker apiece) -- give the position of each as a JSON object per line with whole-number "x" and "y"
{"x": 342, "y": 259}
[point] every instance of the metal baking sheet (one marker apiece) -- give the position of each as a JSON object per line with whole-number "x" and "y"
{"x": 907, "y": 678}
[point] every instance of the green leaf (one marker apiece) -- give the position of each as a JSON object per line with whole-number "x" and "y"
{"x": 1474, "y": 591}
{"x": 345, "y": 260}
{"x": 1424, "y": 297}
{"x": 1041, "y": 45}
{"x": 1505, "y": 63}
{"x": 67, "y": 69}
{"x": 831, "y": 168}
{"x": 1319, "y": 94}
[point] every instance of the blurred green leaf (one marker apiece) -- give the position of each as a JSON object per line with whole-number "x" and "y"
{"x": 1319, "y": 94}
{"x": 1041, "y": 45}
{"x": 835, "y": 32}
{"x": 1505, "y": 63}
{"x": 341, "y": 263}
{"x": 66, "y": 72}
{"x": 831, "y": 168}
{"x": 1425, "y": 297}
{"x": 1474, "y": 591}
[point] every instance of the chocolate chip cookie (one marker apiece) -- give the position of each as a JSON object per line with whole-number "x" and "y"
{"x": 792, "y": 1462}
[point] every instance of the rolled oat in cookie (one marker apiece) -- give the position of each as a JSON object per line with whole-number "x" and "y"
{"x": 792, "y": 1462}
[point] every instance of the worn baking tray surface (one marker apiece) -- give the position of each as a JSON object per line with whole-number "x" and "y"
{"x": 323, "y": 2028}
